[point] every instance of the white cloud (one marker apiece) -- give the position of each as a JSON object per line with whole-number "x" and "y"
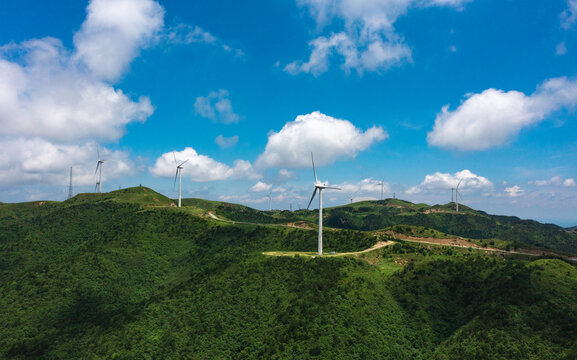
{"x": 201, "y": 168}
{"x": 186, "y": 34}
{"x": 368, "y": 41}
{"x": 493, "y": 117}
{"x": 113, "y": 34}
{"x": 569, "y": 15}
{"x": 514, "y": 191}
{"x": 217, "y": 107}
{"x": 30, "y": 161}
{"x": 226, "y": 142}
{"x": 43, "y": 93}
{"x": 445, "y": 181}
{"x": 284, "y": 175}
{"x": 260, "y": 187}
{"x": 555, "y": 181}
{"x": 57, "y": 103}
{"x": 327, "y": 137}
{"x": 365, "y": 189}
{"x": 561, "y": 49}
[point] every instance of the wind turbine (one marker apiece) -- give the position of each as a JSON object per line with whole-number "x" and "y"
{"x": 452, "y": 191}
{"x": 179, "y": 175}
{"x": 457, "y": 195}
{"x": 382, "y": 185}
{"x": 99, "y": 171}
{"x": 350, "y": 198}
{"x": 320, "y": 187}
{"x": 269, "y": 196}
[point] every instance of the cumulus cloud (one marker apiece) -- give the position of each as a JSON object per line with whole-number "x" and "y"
{"x": 34, "y": 160}
{"x": 260, "y": 187}
{"x": 368, "y": 40}
{"x": 555, "y": 181}
{"x": 493, "y": 117}
{"x": 44, "y": 93}
{"x": 201, "y": 168}
{"x": 514, "y": 191}
{"x": 445, "y": 181}
{"x": 57, "y": 103}
{"x": 113, "y": 34}
{"x": 217, "y": 107}
{"x": 226, "y": 142}
{"x": 327, "y": 137}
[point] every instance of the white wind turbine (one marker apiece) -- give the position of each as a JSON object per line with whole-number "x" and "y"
{"x": 179, "y": 175}
{"x": 382, "y": 183}
{"x": 349, "y": 197}
{"x": 457, "y": 195}
{"x": 269, "y": 196}
{"x": 320, "y": 187}
{"x": 99, "y": 171}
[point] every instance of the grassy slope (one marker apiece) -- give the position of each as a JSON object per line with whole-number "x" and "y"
{"x": 110, "y": 277}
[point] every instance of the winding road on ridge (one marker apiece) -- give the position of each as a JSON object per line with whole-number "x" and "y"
{"x": 380, "y": 244}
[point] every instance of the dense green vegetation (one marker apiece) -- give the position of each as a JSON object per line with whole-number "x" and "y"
{"x": 468, "y": 223}
{"x": 116, "y": 276}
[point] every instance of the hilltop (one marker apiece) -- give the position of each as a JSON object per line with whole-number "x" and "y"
{"x": 128, "y": 275}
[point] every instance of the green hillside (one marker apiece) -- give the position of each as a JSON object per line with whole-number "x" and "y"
{"x": 126, "y": 275}
{"x": 468, "y": 223}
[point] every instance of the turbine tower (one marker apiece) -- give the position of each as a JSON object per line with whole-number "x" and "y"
{"x": 70, "y": 193}
{"x": 320, "y": 187}
{"x": 269, "y": 196}
{"x": 457, "y": 195}
{"x": 179, "y": 175}
{"x": 99, "y": 171}
{"x": 349, "y": 197}
{"x": 382, "y": 185}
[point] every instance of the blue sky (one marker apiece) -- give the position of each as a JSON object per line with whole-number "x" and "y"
{"x": 416, "y": 93}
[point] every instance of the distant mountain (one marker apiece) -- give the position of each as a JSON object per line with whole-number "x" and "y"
{"x": 469, "y": 223}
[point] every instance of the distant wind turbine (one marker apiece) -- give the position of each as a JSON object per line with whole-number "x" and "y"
{"x": 350, "y": 198}
{"x": 382, "y": 185}
{"x": 99, "y": 171}
{"x": 320, "y": 187}
{"x": 179, "y": 175}
{"x": 457, "y": 195}
{"x": 70, "y": 192}
{"x": 269, "y": 196}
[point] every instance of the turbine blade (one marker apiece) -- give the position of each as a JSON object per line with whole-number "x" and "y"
{"x": 184, "y": 162}
{"x": 314, "y": 171}
{"x": 312, "y": 197}
{"x": 174, "y": 155}
{"x": 98, "y": 151}
{"x": 333, "y": 187}
{"x": 459, "y": 183}
{"x": 97, "y": 166}
{"x": 175, "y": 176}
